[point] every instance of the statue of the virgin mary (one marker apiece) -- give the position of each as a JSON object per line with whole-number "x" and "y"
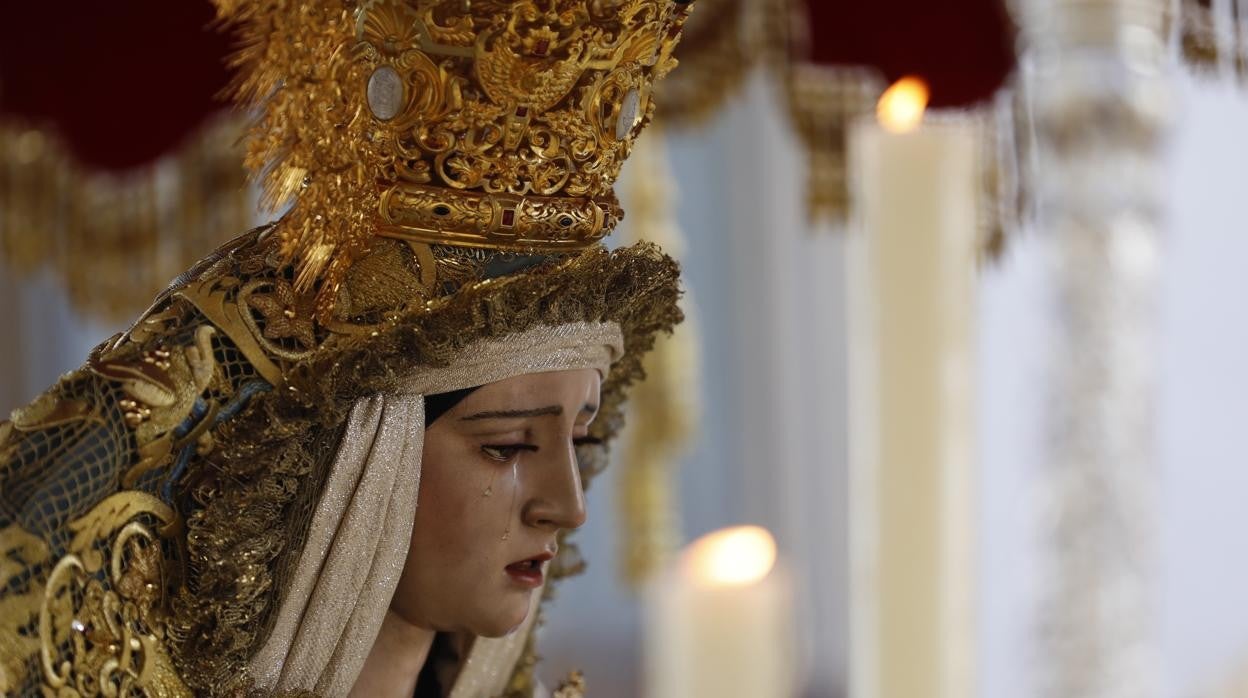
{"x": 338, "y": 456}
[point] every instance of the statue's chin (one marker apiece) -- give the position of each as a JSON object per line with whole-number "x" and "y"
{"x": 502, "y": 623}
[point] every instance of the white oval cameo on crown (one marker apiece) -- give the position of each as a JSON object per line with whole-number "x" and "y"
{"x": 629, "y": 114}
{"x": 385, "y": 93}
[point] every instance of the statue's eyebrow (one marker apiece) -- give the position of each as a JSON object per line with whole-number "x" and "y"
{"x": 516, "y": 414}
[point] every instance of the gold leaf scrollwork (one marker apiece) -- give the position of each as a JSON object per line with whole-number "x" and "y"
{"x": 217, "y": 299}
{"x": 162, "y": 384}
{"x": 20, "y": 551}
{"x": 388, "y": 32}
{"x": 101, "y": 628}
{"x": 534, "y": 98}
{"x": 510, "y": 78}
{"x": 161, "y": 387}
{"x": 49, "y": 410}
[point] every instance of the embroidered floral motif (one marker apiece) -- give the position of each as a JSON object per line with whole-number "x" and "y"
{"x": 286, "y": 314}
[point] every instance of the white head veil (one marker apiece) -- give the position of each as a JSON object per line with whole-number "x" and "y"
{"x": 346, "y": 574}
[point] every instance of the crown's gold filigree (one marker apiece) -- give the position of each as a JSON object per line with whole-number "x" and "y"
{"x": 480, "y": 123}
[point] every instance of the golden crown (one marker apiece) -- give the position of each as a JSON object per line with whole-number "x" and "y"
{"x": 474, "y": 123}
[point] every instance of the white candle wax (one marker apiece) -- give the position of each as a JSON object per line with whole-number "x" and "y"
{"x": 912, "y": 278}
{"x": 719, "y": 621}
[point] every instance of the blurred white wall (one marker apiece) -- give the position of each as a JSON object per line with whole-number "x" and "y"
{"x": 1204, "y": 401}
{"x": 41, "y": 336}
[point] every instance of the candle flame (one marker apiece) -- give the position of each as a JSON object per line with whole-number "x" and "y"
{"x": 731, "y": 557}
{"x": 900, "y": 108}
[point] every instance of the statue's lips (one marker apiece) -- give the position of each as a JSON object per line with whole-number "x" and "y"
{"x": 528, "y": 572}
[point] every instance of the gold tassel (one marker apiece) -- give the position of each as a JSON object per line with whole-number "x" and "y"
{"x": 1004, "y": 158}
{"x": 116, "y": 240}
{"x": 720, "y": 44}
{"x": 1198, "y": 36}
{"x": 823, "y": 102}
{"x": 1239, "y": 25}
{"x": 663, "y": 409}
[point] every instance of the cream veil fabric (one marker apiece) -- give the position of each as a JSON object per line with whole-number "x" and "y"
{"x": 330, "y": 613}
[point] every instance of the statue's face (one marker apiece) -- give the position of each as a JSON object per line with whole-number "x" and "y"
{"x": 499, "y": 480}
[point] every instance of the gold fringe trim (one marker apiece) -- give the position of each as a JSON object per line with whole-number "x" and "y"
{"x": 1239, "y": 25}
{"x": 721, "y": 43}
{"x": 1210, "y": 34}
{"x": 823, "y": 102}
{"x": 1004, "y": 159}
{"x": 1198, "y": 36}
{"x": 724, "y": 42}
{"x": 107, "y": 237}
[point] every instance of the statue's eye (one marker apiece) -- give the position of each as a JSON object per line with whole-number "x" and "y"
{"x": 505, "y": 452}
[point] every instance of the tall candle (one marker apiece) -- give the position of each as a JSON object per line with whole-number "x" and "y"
{"x": 912, "y": 274}
{"x": 719, "y": 621}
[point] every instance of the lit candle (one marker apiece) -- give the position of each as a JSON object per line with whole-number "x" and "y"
{"x": 912, "y": 308}
{"x": 720, "y": 621}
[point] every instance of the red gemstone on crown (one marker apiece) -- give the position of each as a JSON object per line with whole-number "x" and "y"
{"x": 509, "y": 217}
{"x": 542, "y": 47}
{"x": 522, "y": 112}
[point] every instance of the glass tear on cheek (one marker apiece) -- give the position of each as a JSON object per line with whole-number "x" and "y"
{"x": 515, "y": 489}
{"x": 489, "y": 489}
